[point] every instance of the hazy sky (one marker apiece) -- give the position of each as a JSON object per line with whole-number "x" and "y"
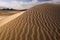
{"x": 23, "y": 0}
{"x": 22, "y": 4}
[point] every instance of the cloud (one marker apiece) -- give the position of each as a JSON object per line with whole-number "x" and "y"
{"x": 34, "y": 1}
{"x": 23, "y": 5}
{"x": 18, "y": 5}
{"x": 56, "y": 0}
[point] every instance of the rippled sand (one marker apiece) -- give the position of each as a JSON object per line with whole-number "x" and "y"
{"x": 41, "y": 22}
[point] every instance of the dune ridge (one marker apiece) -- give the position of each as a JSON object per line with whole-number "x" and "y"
{"x": 10, "y": 18}
{"x": 41, "y": 22}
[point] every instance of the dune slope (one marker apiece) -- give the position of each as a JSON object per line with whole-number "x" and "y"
{"x": 41, "y": 22}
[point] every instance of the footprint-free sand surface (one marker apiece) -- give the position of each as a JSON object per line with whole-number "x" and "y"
{"x": 41, "y": 22}
{"x": 6, "y": 13}
{"x": 7, "y": 18}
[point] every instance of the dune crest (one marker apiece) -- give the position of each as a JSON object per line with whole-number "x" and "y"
{"x": 41, "y": 22}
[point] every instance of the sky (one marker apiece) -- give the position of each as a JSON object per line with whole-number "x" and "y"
{"x": 24, "y": 4}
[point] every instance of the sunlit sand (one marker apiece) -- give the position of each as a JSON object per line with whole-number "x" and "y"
{"x": 41, "y": 22}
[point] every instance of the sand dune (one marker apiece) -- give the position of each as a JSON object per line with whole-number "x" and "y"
{"x": 8, "y": 12}
{"x": 41, "y": 22}
{"x": 7, "y": 18}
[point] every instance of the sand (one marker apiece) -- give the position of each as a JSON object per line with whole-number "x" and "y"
{"x": 41, "y": 22}
{"x": 7, "y": 18}
{"x": 9, "y": 12}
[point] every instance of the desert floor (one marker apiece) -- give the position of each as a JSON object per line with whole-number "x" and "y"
{"x": 38, "y": 23}
{"x": 6, "y": 16}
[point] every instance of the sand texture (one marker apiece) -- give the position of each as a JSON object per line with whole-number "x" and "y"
{"x": 8, "y": 12}
{"x": 41, "y": 22}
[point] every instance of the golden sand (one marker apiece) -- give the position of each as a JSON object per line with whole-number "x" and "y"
{"x": 41, "y": 22}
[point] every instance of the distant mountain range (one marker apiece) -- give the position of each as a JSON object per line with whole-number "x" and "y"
{"x": 6, "y": 8}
